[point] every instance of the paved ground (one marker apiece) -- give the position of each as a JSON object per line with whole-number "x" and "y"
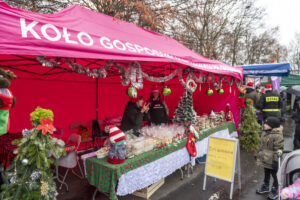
{"x": 191, "y": 187}
{"x": 249, "y": 193}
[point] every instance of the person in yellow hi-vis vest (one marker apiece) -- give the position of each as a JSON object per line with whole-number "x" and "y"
{"x": 270, "y": 103}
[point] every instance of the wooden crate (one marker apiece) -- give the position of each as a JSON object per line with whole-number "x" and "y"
{"x": 148, "y": 191}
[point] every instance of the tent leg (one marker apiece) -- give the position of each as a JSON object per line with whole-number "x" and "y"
{"x": 97, "y": 100}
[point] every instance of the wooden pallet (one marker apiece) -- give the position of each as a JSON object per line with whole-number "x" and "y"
{"x": 148, "y": 191}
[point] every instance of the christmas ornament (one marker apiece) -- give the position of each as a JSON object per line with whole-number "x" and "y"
{"x": 25, "y": 161}
{"x": 209, "y": 92}
{"x": 131, "y": 92}
{"x": 166, "y": 91}
{"x": 220, "y": 91}
{"x": 191, "y": 85}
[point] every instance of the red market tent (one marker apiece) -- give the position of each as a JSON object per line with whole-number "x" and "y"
{"x": 51, "y": 53}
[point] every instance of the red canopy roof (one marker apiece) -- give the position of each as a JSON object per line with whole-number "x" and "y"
{"x": 93, "y": 39}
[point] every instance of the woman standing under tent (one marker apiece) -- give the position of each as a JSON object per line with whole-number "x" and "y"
{"x": 158, "y": 111}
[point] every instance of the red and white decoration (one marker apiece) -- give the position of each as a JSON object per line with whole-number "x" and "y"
{"x": 115, "y": 134}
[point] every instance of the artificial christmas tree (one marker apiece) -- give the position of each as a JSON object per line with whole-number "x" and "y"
{"x": 30, "y": 176}
{"x": 250, "y": 128}
{"x": 185, "y": 112}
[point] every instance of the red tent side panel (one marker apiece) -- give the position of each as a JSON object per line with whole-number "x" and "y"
{"x": 72, "y": 98}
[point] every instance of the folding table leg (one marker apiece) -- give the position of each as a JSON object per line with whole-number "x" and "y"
{"x": 181, "y": 173}
{"x": 62, "y": 182}
{"x": 94, "y": 195}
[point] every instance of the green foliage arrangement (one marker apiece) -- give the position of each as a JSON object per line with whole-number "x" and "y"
{"x": 250, "y": 129}
{"x": 30, "y": 176}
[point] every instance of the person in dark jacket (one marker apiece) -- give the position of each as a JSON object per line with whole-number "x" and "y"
{"x": 296, "y": 107}
{"x": 270, "y": 103}
{"x": 266, "y": 155}
{"x": 296, "y": 117}
{"x": 296, "y": 141}
{"x": 283, "y": 97}
{"x": 252, "y": 94}
{"x": 134, "y": 115}
{"x": 158, "y": 109}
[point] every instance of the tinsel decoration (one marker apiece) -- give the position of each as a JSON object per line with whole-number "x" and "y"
{"x": 201, "y": 78}
{"x": 48, "y": 63}
{"x": 134, "y": 74}
{"x": 210, "y": 78}
{"x": 228, "y": 82}
{"x": 35, "y": 175}
{"x": 161, "y": 79}
{"x": 95, "y": 73}
{"x": 181, "y": 78}
{"x": 237, "y": 84}
{"x": 218, "y": 85}
{"x": 124, "y": 74}
{"x": 26, "y": 132}
{"x": 232, "y": 80}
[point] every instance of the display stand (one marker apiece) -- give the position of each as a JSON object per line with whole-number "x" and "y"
{"x": 223, "y": 159}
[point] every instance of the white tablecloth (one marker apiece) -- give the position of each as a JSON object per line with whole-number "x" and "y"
{"x": 148, "y": 174}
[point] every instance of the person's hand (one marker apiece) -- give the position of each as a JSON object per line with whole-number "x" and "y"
{"x": 284, "y": 194}
{"x": 145, "y": 108}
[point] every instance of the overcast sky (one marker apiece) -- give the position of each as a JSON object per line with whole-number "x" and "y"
{"x": 285, "y": 14}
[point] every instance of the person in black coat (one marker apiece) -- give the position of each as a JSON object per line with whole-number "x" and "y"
{"x": 158, "y": 110}
{"x": 283, "y": 97}
{"x": 270, "y": 103}
{"x": 296, "y": 107}
{"x": 296, "y": 141}
{"x": 296, "y": 117}
{"x": 134, "y": 115}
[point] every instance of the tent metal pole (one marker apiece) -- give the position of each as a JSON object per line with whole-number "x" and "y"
{"x": 97, "y": 100}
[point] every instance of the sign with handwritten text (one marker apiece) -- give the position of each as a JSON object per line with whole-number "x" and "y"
{"x": 220, "y": 161}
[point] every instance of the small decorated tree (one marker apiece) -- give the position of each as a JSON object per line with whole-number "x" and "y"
{"x": 250, "y": 128}
{"x": 185, "y": 111}
{"x": 30, "y": 176}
